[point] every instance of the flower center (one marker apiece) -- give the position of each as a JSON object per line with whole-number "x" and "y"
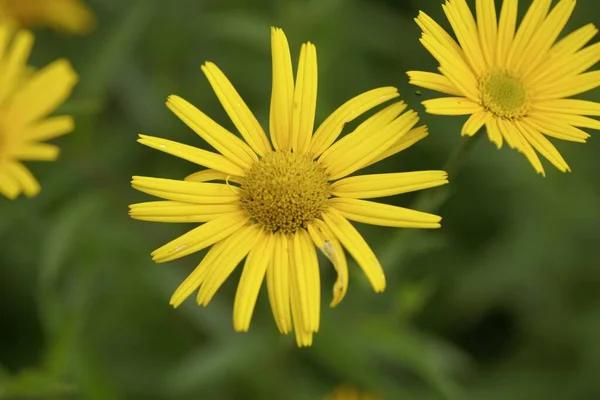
{"x": 284, "y": 191}
{"x": 503, "y": 95}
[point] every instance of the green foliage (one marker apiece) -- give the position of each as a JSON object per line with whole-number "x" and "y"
{"x": 501, "y": 303}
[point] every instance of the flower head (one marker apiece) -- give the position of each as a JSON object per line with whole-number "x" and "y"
{"x": 277, "y": 200}
{"x": 516, "y": 82}
{"x": 26, "y": 99}
{"x": 71, "y": 16}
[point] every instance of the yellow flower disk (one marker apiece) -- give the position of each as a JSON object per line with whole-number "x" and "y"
{"x": 274, "y": 202}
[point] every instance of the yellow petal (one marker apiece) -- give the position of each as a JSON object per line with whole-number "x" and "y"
{"x": 382, "y": 185}
{"x": 231, "y": 254}
{"x": 474, "y": 123}
{"x": 305, "y": 98}
{"x": 509, "y": 132}
{"x": 437, "y": 82}
{"x": 49, "y": 128}
{"x": 325, "y": 241}
{"x": 42, "y": 93}
{"x": 189, "y": 192}
{"x": 452, "y": 106}
{"x": 357, "y": 247}
{"x": 258, "y": 259}
{"x": 299, "y": 311}
{"x": 369, "y": 212}
{"x": 573, "y": 42}
{"x": 236, "y": 108}
{"x": 567, "y": 106}
{"x": 195, "y": 279}
{"x": 9, "y": 185}
{"x": 201, "y": 237}
{"x": 506, "y": 31}
{"x": 462, "y": 21}
{"x": 27, "y": 182}
{"x": 331, "y": 128}
{"x": 305, "y": 270}
{"x": 532, "y": 21}
{"x": 543, "y": 145}
{"x": 560, "y": 130}
{"x": 494, "y": 132}
{"x": 282, "y": 92}
{"x": 403, "y": 143}
{"x": 208, "y": 175}
{"x": 198, "y": 156}
{"x": 14, "y": 62}
{"x": 487, "y": 26}
{"x": 175, "y": 211}
{"x": 544, "y": 77}
{"x": 220, "y": 138}
{"x": 278, "y": 284}
{"x": 36, "y": 152}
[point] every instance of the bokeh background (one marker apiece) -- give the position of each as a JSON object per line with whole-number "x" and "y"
{"x": 501, "y": 303}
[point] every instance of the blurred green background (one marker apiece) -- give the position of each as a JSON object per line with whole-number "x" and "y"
{"x": 501, "y": 303}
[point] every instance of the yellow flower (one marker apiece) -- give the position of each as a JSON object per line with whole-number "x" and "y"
{"x": 346, "y": 392}
{"x": 516, "y": 84}
{"x": 26, "y": 99}
{"x": 71, "y": 16}
{"x": 282, "y": 198}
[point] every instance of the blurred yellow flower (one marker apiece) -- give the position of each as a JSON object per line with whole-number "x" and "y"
{"x": 283, "y": 197}
{"x": 346, "y": 392}
{"x": 514, "y": 83}
{"x": 71, "y": 16}
{"x": 26, "y": 100}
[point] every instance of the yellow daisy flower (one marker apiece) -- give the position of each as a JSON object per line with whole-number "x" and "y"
{"x": 71, "y": 16}
{"x": 26, "y": 99}
{"x": 517, "y": 84}
{"x": 346, "y": 392}
{"x": 283, "y": 197}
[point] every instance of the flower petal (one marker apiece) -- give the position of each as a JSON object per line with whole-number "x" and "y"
{"x": 506, "y": 31}
{"x": 175, "y": 211}
{"x": 278, "y": 284}
{"x": 14, "y": 62}
{"x": 437, "y": 82}
{"x": 282, "y": 93}
{"x": 543, "y": 146}
{"x": 452, "y": 106}
{"x": 188, "y": 192}
{"x": 475, "y": 122}
{"x": 49, "y": 128}
{"x": 27, "y": 182}
{"x": 305, "y": 98}
{"x": 403, "y": 143}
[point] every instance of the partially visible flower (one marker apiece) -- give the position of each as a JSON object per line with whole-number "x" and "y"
{"x": 26, "y": 99}
{"x": 346, "y": 392}
{"x": 279, "y": 199}
{"x": 517, "y": 84}
{"x": 71, "y": 16}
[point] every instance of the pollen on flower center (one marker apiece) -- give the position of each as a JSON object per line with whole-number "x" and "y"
{"x": 504, "y": 95}
{"x": 284, "y": 191}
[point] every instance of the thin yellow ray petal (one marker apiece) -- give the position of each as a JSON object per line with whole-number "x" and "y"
{"x": 305, "y": 98}
{"x": 301, "y": 269}
{"x": 331, "y": 128}
{"x": 9, "y": 185}
{"x": 27, "y": 182}
{"x": 369, "y": 212}
{"x": 567, "y": 106}
{"x": 506, "y": 31}
{"x": 509, "y": 132}
{"x": 6, "y": 31}
{"x": 474, "y": 123}
{"x": 14, "y": 62}
{"x": 236, "y": 108}
{"x": 49, "y": 128}
{"x": 312, "y": 280}
{"x": 357, "y": 247}
{"x": 551, "y": 127}
{"x": 198, "y": 156}
{"x": 189, "y": 192}
{"x": 218, "y": 137}
{"x": 251, "y": 280}
{"x": 36, "y": 152}
{"x": 232, "y": 253}
{"x": 382, "y": 185}
{"x": 376, "y": 122}
{"x": 526, "y": 149}
{"x": 437, "y": 82}
{"x": 357, "y": 157}
{"x": 493, "y": 132}
{"x": 195, "y": 279}
{"x": 460, "y": 17}
{"x": 325, "y": 241}
{"x": 278, "y": 284}
{"x": 487, "y": 26}
{"x": 570, "y": 119}
{"x": 208, "y": 175}
{"x": 304, "y": 336}
{"x": 556, "y": 69}
{"x": 452, "y": 106}
{"x": 569, "y": 86}
{"x": 531, "y": 23}
{"x": 201, "y": 237}
{"x": 412, "y": 137}
{"x": 282, "y": 93}
{"x": 42, "y": 93}
{"x": 175, "y": 211}
{"x": 573, "y": 42}
{"x": 467, "y": 84}
{"x": 543, "y": 146}
{"x": 541, "y": 41}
